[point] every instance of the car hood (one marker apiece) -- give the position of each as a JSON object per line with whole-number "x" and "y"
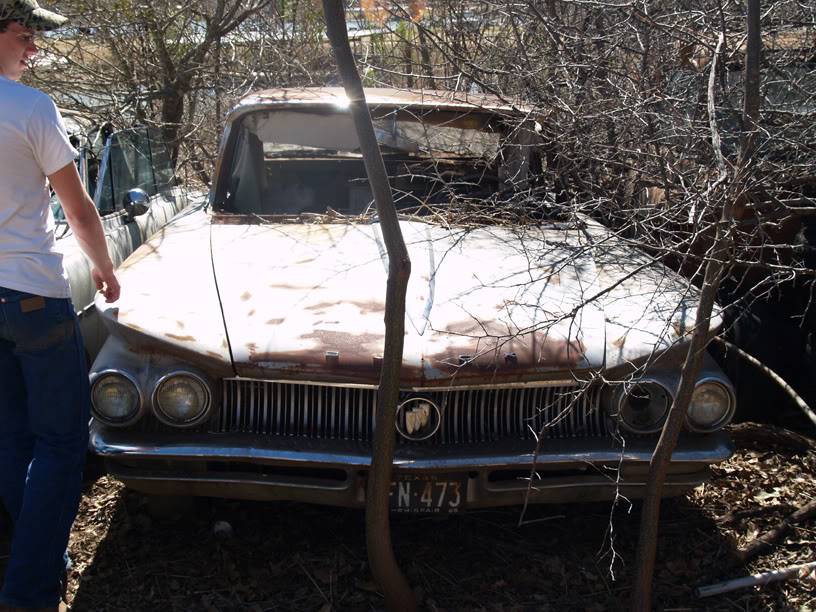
{"x": 169, "y": 301}
{"x": 485, "y": 305}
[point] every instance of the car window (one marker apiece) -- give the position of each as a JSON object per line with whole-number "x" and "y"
{"x": 56, "y": 209}
{"x": 292, "y": 162}
{"x": 83, "y": 162}
{"x": 135, "y": 158}
{"x": 163, "y": 171}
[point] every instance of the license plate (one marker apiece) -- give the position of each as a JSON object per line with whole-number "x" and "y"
{"x": 427, "y": 493}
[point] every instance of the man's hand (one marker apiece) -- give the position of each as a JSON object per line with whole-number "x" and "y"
{"x": 107, "y": 283}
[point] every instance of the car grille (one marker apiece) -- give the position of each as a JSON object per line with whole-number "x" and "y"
{"x": 329, "y": 412}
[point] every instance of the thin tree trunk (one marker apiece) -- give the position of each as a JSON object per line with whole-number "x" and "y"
{"x": 425, "y": 54}
{"x": 647, "y": 542}
{"x": 172, "y": 114}
{"x": 407, "y": 57}
{"x": 751, "y": 100}
{"x": 217, "y": 79}
{"x": 398, "y": 594}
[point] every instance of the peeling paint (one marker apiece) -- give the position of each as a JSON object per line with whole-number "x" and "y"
{"x": 181, "y": 338}
{"x": 557, "y": 297}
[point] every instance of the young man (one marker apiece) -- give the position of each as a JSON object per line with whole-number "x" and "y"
{"x": 44, "y": 397}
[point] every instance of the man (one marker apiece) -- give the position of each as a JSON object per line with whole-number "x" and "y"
{"x": 44, "y": 396}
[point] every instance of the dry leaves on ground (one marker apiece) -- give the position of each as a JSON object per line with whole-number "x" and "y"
{"x": 286, "y": 556}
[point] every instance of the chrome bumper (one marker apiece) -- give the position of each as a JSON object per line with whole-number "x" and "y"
{"x": 334, "y": 472}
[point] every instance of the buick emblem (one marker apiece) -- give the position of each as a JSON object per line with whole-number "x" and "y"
{"x": 418, "y": 418}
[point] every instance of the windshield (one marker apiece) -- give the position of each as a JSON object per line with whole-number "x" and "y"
{"x": 406, "y": 135}
{"x": 290, "y": 161}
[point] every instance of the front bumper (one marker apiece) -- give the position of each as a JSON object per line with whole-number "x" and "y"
{"x": 334, "y": 472}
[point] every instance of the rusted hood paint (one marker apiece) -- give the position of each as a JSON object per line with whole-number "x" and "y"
{"x": 169, "y": 302}
{"x": 485, "y": 305}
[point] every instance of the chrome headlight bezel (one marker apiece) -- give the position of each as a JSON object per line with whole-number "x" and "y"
{"x": 625, "y": 392}
{"x": 164, "y": 417}
{"x": 727, "y": 415}
{"x": 100, "y": 416}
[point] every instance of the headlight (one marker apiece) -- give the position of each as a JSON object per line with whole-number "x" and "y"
{"x": 115, "y": 399}
{"x": 711, "y": 407}
{"x": 181, "y": 399}
{"x": 643, "y": 406}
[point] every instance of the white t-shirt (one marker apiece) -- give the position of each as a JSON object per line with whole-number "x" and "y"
{"x": 33, "y": 145}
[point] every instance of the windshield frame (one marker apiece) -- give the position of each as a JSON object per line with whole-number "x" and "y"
{"x": 493, "y": 119}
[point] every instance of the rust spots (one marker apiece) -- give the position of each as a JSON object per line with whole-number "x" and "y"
{"x": 287, "y": 358}
{"x": 371, "y": 306}
{"x": 251, "y": 312}
{"x": 213, "y": 354}
{"x": 560, "y": 353}
{"x": 554, "y": 279}
{"x": 180, "y": 324}
{"x": 246, "y": 295}
{"x": 292, "y": 287}
{"x": 530, "y": 350}
{"x": 224, "y": 343}
{"x": 134, "y": 326}
{"x": 275, "y": 321}
{"x": 180, "y": 338}
{"x": 349, "y": 342}
{"x": 619, "y": 342}
{"x": 680, "y": 328}
{"x": 354, "y": 350}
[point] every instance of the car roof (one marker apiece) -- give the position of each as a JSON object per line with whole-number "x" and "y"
{"x": 416, "y": 98}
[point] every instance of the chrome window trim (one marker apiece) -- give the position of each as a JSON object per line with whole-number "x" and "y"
{"x": 157, "y": 411}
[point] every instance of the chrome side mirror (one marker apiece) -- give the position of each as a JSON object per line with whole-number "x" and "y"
{"x": 136, "y": 202}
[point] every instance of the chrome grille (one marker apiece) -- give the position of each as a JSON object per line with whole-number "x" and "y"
{"x": 494, "y": 414}
{"x": 328, "y": 412}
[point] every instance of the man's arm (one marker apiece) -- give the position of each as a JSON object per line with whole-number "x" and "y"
{"x": 83, "y": 218}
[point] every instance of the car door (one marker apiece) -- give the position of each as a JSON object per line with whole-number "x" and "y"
{"x": 135, "y": 158}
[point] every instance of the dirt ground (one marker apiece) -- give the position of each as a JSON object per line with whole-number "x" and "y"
{"x": 229, "y": 556}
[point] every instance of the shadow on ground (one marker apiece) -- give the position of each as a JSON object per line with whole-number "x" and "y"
{"x": 224, "y": 556}
{"x": 221, "y": 555}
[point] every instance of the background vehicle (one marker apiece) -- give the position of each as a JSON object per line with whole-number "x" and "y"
{"x": 112, "y": 165}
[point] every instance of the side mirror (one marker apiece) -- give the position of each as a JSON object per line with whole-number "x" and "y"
{"x": 136, "y": 202}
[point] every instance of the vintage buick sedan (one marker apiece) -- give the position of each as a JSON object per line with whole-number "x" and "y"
{"x": 541, "y": 351}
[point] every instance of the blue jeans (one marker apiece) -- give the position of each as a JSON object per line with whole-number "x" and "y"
{"x": 44, "y": 412}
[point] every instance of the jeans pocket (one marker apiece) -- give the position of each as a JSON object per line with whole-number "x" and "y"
{"x": 40, "y": 323}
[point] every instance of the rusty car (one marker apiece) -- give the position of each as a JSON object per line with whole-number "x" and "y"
{"x": 131, "y": 177}
{"x": 541, "y": 350}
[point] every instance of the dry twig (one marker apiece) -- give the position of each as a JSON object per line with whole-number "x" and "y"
{"x": 766, "y": 541}
{"x": 795, "y": 571}
{"x": 797, "y": 399}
